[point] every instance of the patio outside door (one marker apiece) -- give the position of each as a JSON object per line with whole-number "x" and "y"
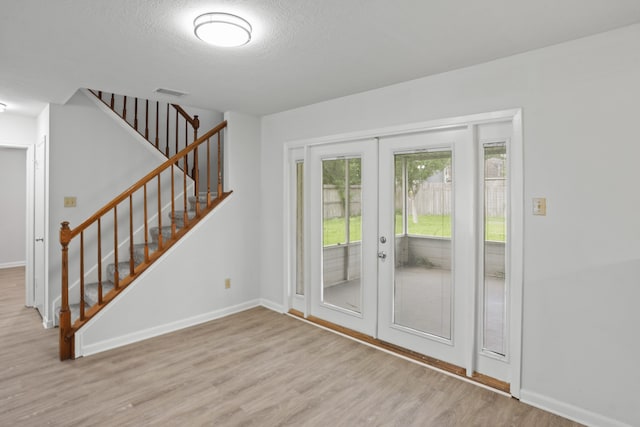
{"x": 426, "y": 222}
{"x": 410, "y": 242}
{"x": 344, "y": 222}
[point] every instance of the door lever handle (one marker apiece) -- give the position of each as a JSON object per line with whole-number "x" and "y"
{"x": 40, "y": 239}
{"x": 382, "y": 255}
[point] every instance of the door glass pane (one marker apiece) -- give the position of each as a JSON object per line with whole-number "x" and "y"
{"x": 422, "y": 275}
{"x": 495, "y": 238}
{"x": 341, "y": 232}
{"x": 299, "y": 228}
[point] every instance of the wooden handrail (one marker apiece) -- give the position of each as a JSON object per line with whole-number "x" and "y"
{"x": 194, "y": 121}
{"x": 121, "y": 279}
{"x": 172, "y": 161}
{"x": 181, "y": 116}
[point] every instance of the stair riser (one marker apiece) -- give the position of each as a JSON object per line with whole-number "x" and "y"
{"x": 179, "y": 218}
{"x": 91, "y": 292}
{"x": 202, "y": 198}
{"x": 138, "y": 252}
{"x": 166, "y": 234}
{"x": 123, "y": 270}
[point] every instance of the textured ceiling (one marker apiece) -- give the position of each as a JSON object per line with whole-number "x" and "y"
{"x": 303, "y": 51}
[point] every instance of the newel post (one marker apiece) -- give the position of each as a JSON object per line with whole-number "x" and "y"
{"x": 66, "y": 349}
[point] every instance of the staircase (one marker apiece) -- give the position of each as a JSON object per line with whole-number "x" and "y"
{"x": 93, "y": 292}
{"x": 165, "y": 126}
{"x": 154, "y": 213}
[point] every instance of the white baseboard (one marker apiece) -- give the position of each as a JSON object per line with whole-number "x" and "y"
{"x": 271, "y": 305}
{"x": 569, "y": 411}
{"x": 87, "y": 350}
{"x": 13, "y": 264}
{"x": 47, "y": 324}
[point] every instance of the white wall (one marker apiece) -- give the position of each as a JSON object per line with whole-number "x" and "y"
{"x": 187, "y": 286}
{"x": 582, "y": 260}
{"x": 13, "y": 194}
{"x": 92, "y": 157}
{"x": 17, "y": 132}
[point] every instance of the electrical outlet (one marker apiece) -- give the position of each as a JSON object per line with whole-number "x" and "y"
{"x": 227, "y": 283}
{"x": 69, "y": 202}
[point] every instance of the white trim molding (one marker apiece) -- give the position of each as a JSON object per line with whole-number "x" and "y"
{"x": 567, "y": 410}
{"x": 87, "y": 350}
{"x": 278, "y": 308}
{"x": 13, "y": 264}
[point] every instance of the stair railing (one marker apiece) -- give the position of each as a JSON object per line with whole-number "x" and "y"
{"x": 138, "y": 193}
{"x": 160, "y": 129}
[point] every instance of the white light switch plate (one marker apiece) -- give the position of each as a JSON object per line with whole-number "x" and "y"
{"x": 539, "y": 206}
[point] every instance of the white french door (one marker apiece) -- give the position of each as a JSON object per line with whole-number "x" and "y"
{"x": 409, "y": 238}
{"x": 425, "y": 280}
{"x": 343, "y": 228}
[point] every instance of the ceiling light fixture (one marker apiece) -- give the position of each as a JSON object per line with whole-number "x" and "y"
{"x": 3, "y": 107}
{"x": 222, "y": 29}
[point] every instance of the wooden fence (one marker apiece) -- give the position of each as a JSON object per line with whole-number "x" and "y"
{"x": 432, "y": 198}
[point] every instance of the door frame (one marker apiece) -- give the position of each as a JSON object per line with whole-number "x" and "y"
{"x": 29, "y": 170}
{"x": 47, "y": 319}
{"x": 516, "y": 227}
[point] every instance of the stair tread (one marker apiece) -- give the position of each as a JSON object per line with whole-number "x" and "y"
{"x": 138, "y": 251}
{"x": 202, "y": 197}
{"x": 152, "y": 246}
{"x": 123, "y": 270}
{"x": 181, "y": 212}
{"x": 91, "y": 291}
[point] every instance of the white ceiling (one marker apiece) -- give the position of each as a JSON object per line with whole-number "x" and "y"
{"x": 303, "y": 51}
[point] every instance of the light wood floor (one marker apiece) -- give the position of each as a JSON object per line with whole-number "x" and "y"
{"x": 254, "y": 368}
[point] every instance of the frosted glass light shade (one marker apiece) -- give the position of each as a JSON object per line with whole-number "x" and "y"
{"x": 3, "y": 107}
{"x": 222, "y": 29}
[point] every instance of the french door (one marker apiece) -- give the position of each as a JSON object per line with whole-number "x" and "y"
{"x": 344, "y": 218}
{"x": 426, "y": 224}
{"x": 408, "y": 239}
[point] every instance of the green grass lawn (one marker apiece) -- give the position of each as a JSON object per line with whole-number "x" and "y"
{"x": 427, "y": 225}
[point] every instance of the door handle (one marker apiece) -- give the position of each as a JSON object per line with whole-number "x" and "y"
{"x": 41, "y": 239}
{"x": 382, "y": 255}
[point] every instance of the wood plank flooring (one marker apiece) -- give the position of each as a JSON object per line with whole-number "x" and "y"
{"x": 256, "y": 368}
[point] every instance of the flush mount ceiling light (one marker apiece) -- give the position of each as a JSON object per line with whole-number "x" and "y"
{"x": 222, "y": 29}
{"x": 3, "y": 107}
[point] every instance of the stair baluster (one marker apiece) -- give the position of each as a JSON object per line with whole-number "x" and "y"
{"x": 157, "y": 125}
{"x": 219, "y": 167}
{"x": 117, "y": 279}
{"x": 185, "y": 219}
{"x": 131, "y": 254}
{"x": 208, "y": 171}
{"x": 135, "y": 114}
{"x": 173, "y": 203}
{"x": 82, "y": 275}
{"x": 146, "y": 225}
{"x": 116, "y": 275}
{"x": 100, "y": 261}
{"x": 166, "y": 149}
{"x": 146, "y": 121}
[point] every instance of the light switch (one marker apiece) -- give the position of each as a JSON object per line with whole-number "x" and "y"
{"x": 539, "y": 206}
{"x": 69, "y": 202}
